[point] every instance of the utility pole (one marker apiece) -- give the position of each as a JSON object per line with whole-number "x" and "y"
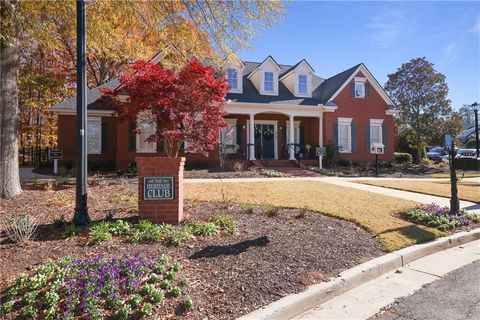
{"x": 81, "y": 210}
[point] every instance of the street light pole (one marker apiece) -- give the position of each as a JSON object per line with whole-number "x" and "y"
{"x": 475, "y": 106}
{"x": 81, "y": 210}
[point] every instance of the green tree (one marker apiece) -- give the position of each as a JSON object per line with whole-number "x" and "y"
{"x": 421, "y": 94}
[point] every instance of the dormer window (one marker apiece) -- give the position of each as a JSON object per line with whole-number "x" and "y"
{"x": 268, "y": 82}
{"x": 302, "y": 84}
{"x": 232, "y": 78}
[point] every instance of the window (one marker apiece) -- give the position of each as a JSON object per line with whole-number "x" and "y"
{"x": 228, "y": 136}
{"x": 302, "y": 84}
{"x": 145, "y": 129}
{"x": 345, "y": 135}
{"x": 359, "y": 89}
{"x": 232, "y": 78}
{"x": 376, "y": 133}
{"x": 268, "y": 82}
{"x": 94, "y": 135}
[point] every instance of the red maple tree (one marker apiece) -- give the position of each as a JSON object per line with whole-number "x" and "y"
{"x": 186, "y": 105}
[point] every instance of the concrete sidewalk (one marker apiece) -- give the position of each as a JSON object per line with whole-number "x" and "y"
{"x": 367, "y": 299}
{"x": 407, "y": 195}
{"x": 26, "y": 173}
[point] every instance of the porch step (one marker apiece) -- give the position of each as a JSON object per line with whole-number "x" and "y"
{"x": 275, "y": 163}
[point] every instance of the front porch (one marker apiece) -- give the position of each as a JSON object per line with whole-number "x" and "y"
{"x": 267, "y": 133}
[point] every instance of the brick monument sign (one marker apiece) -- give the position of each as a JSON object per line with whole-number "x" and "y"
{"x": 160, "y": 189}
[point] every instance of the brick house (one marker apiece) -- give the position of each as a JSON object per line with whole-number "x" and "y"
{"x": 275, "y": 112}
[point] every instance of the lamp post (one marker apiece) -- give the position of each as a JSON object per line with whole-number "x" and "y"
{"x": 81, "y": 210}
{"x": 475, "y": 107}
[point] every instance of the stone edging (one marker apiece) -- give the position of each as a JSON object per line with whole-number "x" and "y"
{"x": 296, "y": 304}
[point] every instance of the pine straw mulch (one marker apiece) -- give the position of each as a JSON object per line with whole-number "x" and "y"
{"x": 269, "y": 256}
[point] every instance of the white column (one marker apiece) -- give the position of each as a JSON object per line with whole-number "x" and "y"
{"x": 291, "y": 129}
{"x": 320, "y": 137}
{"x": 251, "y": 136}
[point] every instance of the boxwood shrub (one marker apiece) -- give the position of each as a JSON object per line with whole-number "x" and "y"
{"x": 403, "y": 158}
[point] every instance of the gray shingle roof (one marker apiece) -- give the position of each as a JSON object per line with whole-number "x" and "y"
{"x": 92, "y": 96}
{"x": 322, "y": 90}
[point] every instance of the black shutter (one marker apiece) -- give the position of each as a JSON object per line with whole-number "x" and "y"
{"x": 352, "y": 89}
{"x": 132, "y": 138}
{"x": 367, "y": 89}
{"x": 104, "y": 137}
{"x": 367, "y": 138}
{"x": 354, "y": 137}
{"x": 335, "y": 134}
{"x": 302, "y": 135}
{"x": 239, "y": 135}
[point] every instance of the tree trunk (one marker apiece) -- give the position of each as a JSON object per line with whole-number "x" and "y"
{"x": 419, "y": 145}
{"x": 9, "y": 168}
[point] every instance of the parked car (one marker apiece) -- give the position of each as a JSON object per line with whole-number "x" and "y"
{"x": 436, "y": 154}
{"x": 466, "y": 153}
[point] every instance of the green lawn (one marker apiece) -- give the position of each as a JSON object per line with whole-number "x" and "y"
{"x": 374, "y": 212}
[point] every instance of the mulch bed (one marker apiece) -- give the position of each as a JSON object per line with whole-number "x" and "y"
{"x": 268, "y": 258}
{"x": 216, "y": 174}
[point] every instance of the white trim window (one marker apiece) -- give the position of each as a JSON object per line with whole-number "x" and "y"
{"x": 145, "y": 128}
{"x": 376, "y": 131}
{"x": 345, "y": 135}
{"x": 268, "y": 82}
{"x": 359, "y": 89}
{"x": 232, "y": 78}
{"x": 302, "y": 84}
{"x": 228, "y": 135}
{"x": 94, "y": 135}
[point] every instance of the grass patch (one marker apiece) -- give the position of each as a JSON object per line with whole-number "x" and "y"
{"x": 447, "y": 175}
{"x": 469, "y": 191}
{"x": 374, "y": 212}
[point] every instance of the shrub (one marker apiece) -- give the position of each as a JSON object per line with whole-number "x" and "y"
{"x": 226, "y": 223}
{"x": 178, "y": 236}
{"x": 19, "y": 229}
{"x": 271, "y": 210}
{"x": 403, "y": 158}
{"x": 188, "y": 304}
{"x": 442, "y": 218}
{"x": 175, "y": 292}
{"x": 271, "y": 173}
{"x": 204, "y": 229}
{"x": 239, "y": 167}
{"x": 247, "y": 208}
{"x": 120, "y": 227}
{"x": 87, "y": 288}
{"x": 100, "y": 232}
{"x": 326, "y": 172}
{"x": 196, "y": 165}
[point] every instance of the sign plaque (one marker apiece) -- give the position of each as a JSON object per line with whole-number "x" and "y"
{"x": 55, "y": 154}
{"x": 158, "y": 188}
{"x": 321, "y": 151}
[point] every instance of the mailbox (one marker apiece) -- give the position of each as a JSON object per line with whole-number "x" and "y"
{"x": 377, "y": 148}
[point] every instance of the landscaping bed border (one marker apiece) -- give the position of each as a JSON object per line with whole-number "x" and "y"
{"x": 296, "y": 304}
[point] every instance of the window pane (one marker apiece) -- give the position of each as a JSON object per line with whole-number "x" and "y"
{"x": 344, "y": 137}
{"x": 268, "y": 86}
{"x": 375, "y": 134}
{"x": 228, "y": 136}
{"x": 232, "y": 78}
{"x": 359, "y": 89}
{"x": 94, "y": 131}
{"x": 302, "y": 84}
{"x": 146, "y": 130}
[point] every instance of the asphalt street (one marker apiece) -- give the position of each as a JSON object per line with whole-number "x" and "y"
{"x": 453, "y": 297}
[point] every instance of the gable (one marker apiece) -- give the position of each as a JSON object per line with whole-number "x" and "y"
{"x": 362, "y": 71}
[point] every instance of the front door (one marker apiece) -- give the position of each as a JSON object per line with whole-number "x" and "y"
{"x": 264, "y": 141}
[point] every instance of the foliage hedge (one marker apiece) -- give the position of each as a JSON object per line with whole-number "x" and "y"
{"x": 403, "y": 158}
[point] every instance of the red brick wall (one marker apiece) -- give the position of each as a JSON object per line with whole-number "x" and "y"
{"x": 161, "y": 211}
{"x": 361, "y": 110}
{"x": 67, "y": 139}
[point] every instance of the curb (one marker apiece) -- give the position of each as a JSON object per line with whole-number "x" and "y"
{"x": 296, "y": 304}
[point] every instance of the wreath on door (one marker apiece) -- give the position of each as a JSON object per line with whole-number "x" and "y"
{"x": 268, "y": 133}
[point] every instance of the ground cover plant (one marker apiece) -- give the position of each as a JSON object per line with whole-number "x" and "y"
{"x": 229, "y": 274}
{"x": 442, "y": 218}
{"x": 467, "y": 190}
{"x": 374, "y": 212}
{"x": 147, "y": 232}
{"x": 94, "y": 288}
{"x": 271, "y": 173}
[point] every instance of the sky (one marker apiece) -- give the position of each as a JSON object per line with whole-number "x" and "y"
{"x": 334, "y": 36}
